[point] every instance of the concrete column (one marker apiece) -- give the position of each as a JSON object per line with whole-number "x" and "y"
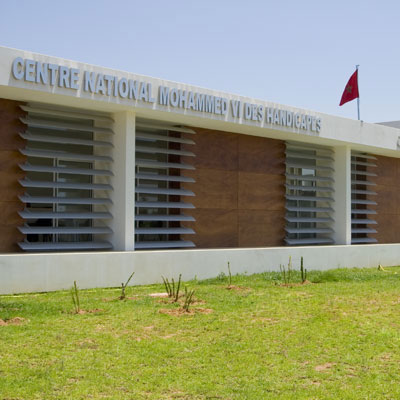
{"x": 123, "y": 181}
{"x": 342, "y": 204}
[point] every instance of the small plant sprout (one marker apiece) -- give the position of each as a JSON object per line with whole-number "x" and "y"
{"x": 177, "y": 290}
{"x": 289, "y": 270}
{"x": 170, "y": 287}
{"x": 75, "y": 298}
{"x": 229, "y": 274}
{"x": 303, "y": 271}
{"x": 188, "y": 299}
{"x": 283, "y": 273}
{"x": 124, "y": 285}
{"x": 286, "y": 272}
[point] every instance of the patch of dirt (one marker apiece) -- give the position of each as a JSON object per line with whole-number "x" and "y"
{"x": 324, "y": 367}
{"x": 233, "y": 287}
{"x": 168, "y": 336}
{"x": 385, "y": 357}
{"x": 196, "y": 302}
{"x": 94, "y": 311}
{"x": 88, "y": 344}
{"x": 148, "y": 328}
{"x": 16, "y": 320}
{"x": 176, "y": 311}
{"x": 204, "y": 310}
{"x": 158, "y": 295}
{"x": 73, "y": 380}
{"x": 180, "y": 311}
{"x": 180, "y": 302}
{"x": 12, "y": 321}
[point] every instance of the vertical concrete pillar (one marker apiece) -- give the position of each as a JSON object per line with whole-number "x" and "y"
{"x": 342, "y": 204}
{"x": 123, "y": 181}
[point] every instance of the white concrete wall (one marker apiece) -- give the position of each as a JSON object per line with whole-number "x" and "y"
{"x": 123, "y": 182}
{"x": 46, "y": 272}
{"x": 342, "y": 195}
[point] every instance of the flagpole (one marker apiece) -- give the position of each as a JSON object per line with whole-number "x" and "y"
{"x": 358, "y": 98}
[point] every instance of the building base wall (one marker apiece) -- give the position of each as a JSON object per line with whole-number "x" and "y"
{"x": 23, "y": 273}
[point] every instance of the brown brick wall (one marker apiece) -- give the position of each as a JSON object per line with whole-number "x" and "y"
{"x": 10, "y": 157}
{"x": 388, "y": 199}
{"x": 240, "y": 196}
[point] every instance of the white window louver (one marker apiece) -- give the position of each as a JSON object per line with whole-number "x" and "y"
{"x": 160, "y": 201}
{"x": 362, "y": 198}
{"x": 68, "y": 169}
{"x": 309, "y": 194}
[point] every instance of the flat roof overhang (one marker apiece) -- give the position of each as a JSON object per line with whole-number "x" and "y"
{"x": 335, "y": 131}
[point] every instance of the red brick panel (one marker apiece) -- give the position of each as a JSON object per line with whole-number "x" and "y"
{"x": 240, "y": 195}
{"x": 388, "y": 199}
{"x": 10, "y": 173}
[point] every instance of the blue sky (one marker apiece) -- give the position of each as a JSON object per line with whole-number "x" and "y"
{"x": 298, "y": 53}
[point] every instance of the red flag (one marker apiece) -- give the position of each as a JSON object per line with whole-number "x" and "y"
{"x": 351, "y": 90}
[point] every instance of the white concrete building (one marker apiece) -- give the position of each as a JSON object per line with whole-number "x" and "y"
{"x": 105, "y": 172}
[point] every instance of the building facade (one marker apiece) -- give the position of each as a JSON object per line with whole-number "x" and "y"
{"x": 104, "y": 171}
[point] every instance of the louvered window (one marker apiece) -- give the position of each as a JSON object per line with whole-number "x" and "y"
{"x": 160, "y": 202}
{"x": 309, "y": 194}
{"x": 362, "y": 198}
{"x": 67, "y": 179}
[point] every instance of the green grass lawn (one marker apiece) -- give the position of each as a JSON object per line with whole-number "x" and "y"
{"x": 335, "y": 338}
